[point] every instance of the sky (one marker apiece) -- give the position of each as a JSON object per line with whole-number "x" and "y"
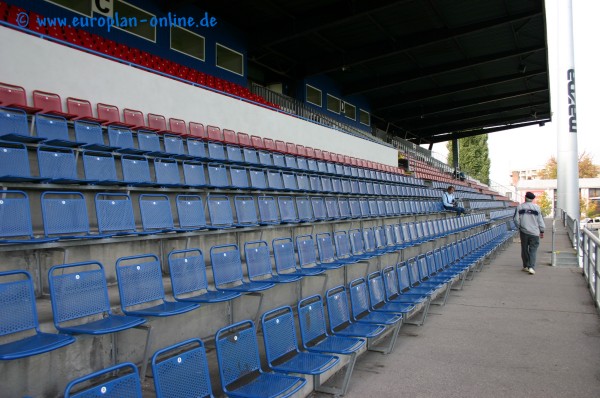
{"x": 530, "y": 147}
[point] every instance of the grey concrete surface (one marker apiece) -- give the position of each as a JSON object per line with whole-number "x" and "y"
{"x": 507, "y": 334}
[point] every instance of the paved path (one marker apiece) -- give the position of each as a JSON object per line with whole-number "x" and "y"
{"x": 507, "y": 334}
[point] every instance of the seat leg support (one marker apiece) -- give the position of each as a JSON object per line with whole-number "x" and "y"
{"x": 371, "y": 343}
{"x": 424, "y": 313}
{"x": 341, "y": 390}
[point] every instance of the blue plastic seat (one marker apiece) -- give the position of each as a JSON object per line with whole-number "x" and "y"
{"x": 19, "y": 316}
{"x": 265, "y": 159}
{"x": 15, "y": 213}
{"x": 193, "y": 174}
{"x": 234, "y": 154}
{"x": 196, "y": 149}
{"x": 258, "y": 180}
{"x": 279, "y": 160}
{"x": 14, "y": 126}
{"x": 361, "y": 306}
{"x": 53, "y": 130}
{"x": 267, "y": 210}
{"x": 307, "y": 254}
{"x": 303, "y": 182}
{"x": 79, "y": 293}
{"x": 281, "y": 346}
{"x": 99, "y": 168}
{"x": 327, "y": 185}
{"x": 354, "y": 208}
{"x": 90, "y": 134}
{"x": 304, "y": 208}
{"x": 190, "y": 211}
{"x": 188, "y": 278}
{"x": 141, "y": 288}
{"x": 65, "y": 216}
{"x": 287, "y": 209}
{"x": 393, "y": 294}
{"x": 239, "y": 177}
{"x": 250, "y": 156}
{"x": 238, "y": 358}
{"x": 167, "y": 172}
{"x": 156, "y": 213}
{"x": 315, "y": 183}
{"x": 114, "y": 212}
{"x": 336, "y": 185}
{"x": 181, "y": 370}
{"x": 318, "y": 207}
{"x": 245, "y": 210}
{"x": 378, "y": 300}
{"x": 122, "y": 138}
{"x": 343, "y": 248}
{"x": 174, "y": 147}
{"x": 332, "y": 208}
{"x": 344, "y": 207}
{"x": 228, "y": 273}
{"x": 136, "y": 171}
{"x": 290, "y": 182}
{"x": 149, "y": 142}
{"x": 218, "y": 175}
{"x": 258, "y": 262}
{"x": 358, "y": 245}
{"x": 216, "y": 151}
{"x": 58, "y": 165}
{"x": 219, "y": 210}
{"x": 291, "y": 162}
{"x": 364, "y": 208}
{"x": 327, "y": 251}
{"x": 338, "y": 314}
{"x": 117, "y": 381}
{"x": 275, "y": 180}
{"x": 14, "y": 163}
{"x": 285, "y": 259}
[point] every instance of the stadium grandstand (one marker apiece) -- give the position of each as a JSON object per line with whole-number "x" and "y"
{"x": 233, "y": 198}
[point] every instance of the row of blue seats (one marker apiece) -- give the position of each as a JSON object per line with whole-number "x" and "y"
{"x": 59, "y": 166}
{"x": 54, "y": 131}
{"x": 380, "y": 300}
{"x": 65, "y": 214}
{"x": 500, "y": 214}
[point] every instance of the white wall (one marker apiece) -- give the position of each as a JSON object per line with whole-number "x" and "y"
{"x": 34, "y": 63}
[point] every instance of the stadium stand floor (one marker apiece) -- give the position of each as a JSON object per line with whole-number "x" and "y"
{"x": 507, "y": 334}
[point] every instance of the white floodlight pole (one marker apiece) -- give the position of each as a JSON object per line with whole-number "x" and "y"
{"x": 567, "y": 157}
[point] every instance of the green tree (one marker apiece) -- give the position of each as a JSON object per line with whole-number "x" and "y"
{"x": 473, "y": 157}
{"x": 545, "y": 204}
{"x": 587, "y": 168}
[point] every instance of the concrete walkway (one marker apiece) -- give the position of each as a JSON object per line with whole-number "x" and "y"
{"x": 507, "y": 334}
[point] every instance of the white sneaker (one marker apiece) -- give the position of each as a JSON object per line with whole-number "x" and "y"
{"x": 531, "y": 271}
{"x": 525, "y": 269}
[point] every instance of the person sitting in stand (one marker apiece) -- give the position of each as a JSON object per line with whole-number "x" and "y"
{"x": 450, "y": 202}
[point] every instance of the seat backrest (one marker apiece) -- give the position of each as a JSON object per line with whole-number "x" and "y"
{"x": 216, "y": 150}
{"x": 230, "y": 137}
{"x": 135, "y": 169}
{"x": 332, "y": 207}
{"x": 190, "y": 211}
{"x": 55, "y": 162}
{"x": 51, "y": 127}
{"x": 88, "y": 132}
{"x": 338, "y": 312}
{"x": 311, "y": 316}
{"x": 181, "y": 370}
{"x": 167, "y": 171}
{"x": 290, "y": 162}
{"x": 269, "y": 144}
{"x": 344, "y": 208}
{"x": 376, "y": 288}
{"x": 123, "y": 381}
{"x": 354, "y": 208}
{"x": 239, "y": 177}
{"x": 359, "y": 297}
{"x": 14, "y": 160}
{"x": 99, "y": 166}
{"x": 148, "y": 141}
{"x": 257, "y": 142}
{"x": 156, "y": 212}
{"x": 265, "y": 158}
{"x": 187, "y": 270}
{"x": 245, "y": 209}
{"x": 356, "y": 241}
{"x": 278, "y": 160}
{"x": 78, "y": 290}
{"x": 283, "y": 251}
{"x": 214, "y": 133}
{"x": 197, "y": 130}
{"x": 289, "y": 181}
{"x": 237, "y": 352}
{"x": 287, "y": 209}
{"x": 244, "y": 139}
{"x": 132, "y": 116}
{"x": 279, "y": 333}
{"x": 275, "y": 179}
{"x": 13, "y": 121}
{"x": 258, "y": 259}
{"x": 268, "y": 210}
{"x": 315, "y": 183}
{"x": 234, "y": 153}
{"x": 79, "y": 107}
{"x": 226, "y": 264}
{"x": 342, "y": 244}
{"x": 217, "y": 175}
{"x": 173, "y": 144}
{"x": 250, "y": 155}
{"x": 303, "y": 182}
{"x": 390, "y": 282}
{"x": 304, "y": 207}
{"x": 307, "y": 252}
{"x": 139, "y": 279}
{"x": 177, "y": 126}
{"x": 12, "y": 95}
{"x": 120, "y": 137}
{"x": 157, "y": 121}
{"x": 258, "y": 179}
{"x": 114, "y": 212}
{"x": 108, "y": 112}
{"x": 325, "y": 246}
{"x": 64, "y": 213}
{"x": 16, "y": 214}
{"x": 219, "y": 210}
{"x": 17, "y": 300}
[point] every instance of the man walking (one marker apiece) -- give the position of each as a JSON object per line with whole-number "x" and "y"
{"x": 529, "y": 220}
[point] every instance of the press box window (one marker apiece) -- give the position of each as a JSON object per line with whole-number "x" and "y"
{"x": 314, "y": 96}
{"x": 132, "y": 13}
{"x": 186, "y": 42}
{"x": 80, "y": 7}
{"x": 365, "y": 117}
{"x": 333, "y": 104}
{"x": 230, "y": 60}
{"x": 349, "y": 111}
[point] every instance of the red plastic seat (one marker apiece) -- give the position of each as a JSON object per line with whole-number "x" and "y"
{"x": 15, "y": 97}
{"x": 158, "y": 123}
{"x": 244, "y": 139}
{"x": 291, "y": 148}
{"x": 280, "y": 146}
{"x": 82, "y": 109}
{"x": 310, "y": 152}
{"x": 319, "y": 154}
{"x": 230, "y": 137}
{"x": 50, "y": 103}
{"x": 214, "y": 133}
{"x": 327, "y": 156}
{"x": 257, "y": 142}
{"x": 177, "y": 126}
{"x": 197, "y": 130}
{"x": 347, "y": 159}
{"x": 111, "y": 114}
{"x": 300, "y": 150}
{"x": 135, "y": 118}
{"x": 269, "y": 144}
